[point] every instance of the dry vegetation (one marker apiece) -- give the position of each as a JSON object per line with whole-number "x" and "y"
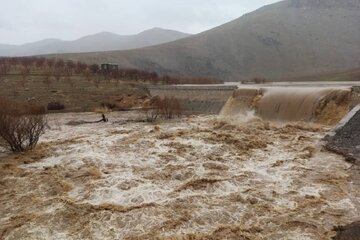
{"x": 166, "y": 108}
{"x": 21, "y": 125}
{"x": 58, "y": 69}
{"x": 69, "y": 86}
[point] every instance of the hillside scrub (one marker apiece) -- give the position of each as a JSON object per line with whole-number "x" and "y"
{"x": 58, "y": 68}
{"x": 21, "y": 125}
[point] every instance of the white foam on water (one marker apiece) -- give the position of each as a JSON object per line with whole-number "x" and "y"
{"x": 250, "y": 190}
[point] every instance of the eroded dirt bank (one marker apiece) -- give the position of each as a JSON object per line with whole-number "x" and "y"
{"x": 195, "y": 178}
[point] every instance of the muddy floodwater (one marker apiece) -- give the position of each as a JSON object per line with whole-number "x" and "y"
{"x": 203, "y": 177}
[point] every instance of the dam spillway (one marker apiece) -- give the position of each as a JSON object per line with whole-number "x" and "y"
{"x": 321, "y": 104}
{"x": 196, "y": 99}
{"x": 285, "y": 104}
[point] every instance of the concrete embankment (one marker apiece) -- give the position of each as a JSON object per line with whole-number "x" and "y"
{"x": 196, "y": 99}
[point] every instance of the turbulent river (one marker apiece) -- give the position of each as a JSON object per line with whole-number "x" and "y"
{"x": 233, "y": 176}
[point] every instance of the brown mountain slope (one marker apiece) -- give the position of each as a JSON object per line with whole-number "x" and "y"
{"x": 287, "y": 39}
{"x": 352, "y": 75}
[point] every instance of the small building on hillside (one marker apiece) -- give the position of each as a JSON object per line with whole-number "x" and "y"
{"x": 109, "y": 67}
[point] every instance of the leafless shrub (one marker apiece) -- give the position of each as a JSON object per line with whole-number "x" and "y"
{"x": 26, "y": 62}
{"x": 170, "y": 108}
{"x": 70, "y": 67}
{"x": 59, "y": 64}
{"x": 21, "y": 125}
{"x": 167, "y": 108}
{"x": 80, "y": 67}
{"x": 4, "y": 67}
{"x": 152, "y": 111}
{"x": 50, "y": 63}
{"x": 40, "y": 62}
{"x": 2, "y": 72}
{"x": 94, "y": 68}
{"x": 151, "y": 115}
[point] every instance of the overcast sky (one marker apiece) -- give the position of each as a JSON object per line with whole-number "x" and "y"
{"x": 24, "y": 21}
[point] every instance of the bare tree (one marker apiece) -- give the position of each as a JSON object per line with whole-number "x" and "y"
{"x": 69, "y": 68}
{"x": 170, "y": 107}
{"x": 21, "y": 125}
{"x": 40, "y": 62}
{"x": 94, "y": 68}
{"x": 167, "y": 108}
{"x": 60, "y": 64}
{"x": 50, "y": 63}
{"x": 26, "y": 63}
{"x": 152, "y": 109}
{"x": 4, "y": 68}
{"x": 80, "y": 67}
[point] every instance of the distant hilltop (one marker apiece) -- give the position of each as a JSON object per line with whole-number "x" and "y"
{"x": 104, "y": 41}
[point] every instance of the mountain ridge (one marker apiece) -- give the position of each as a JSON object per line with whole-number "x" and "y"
{"x": 276, "y": 41}
{"x": 102, "y": 41}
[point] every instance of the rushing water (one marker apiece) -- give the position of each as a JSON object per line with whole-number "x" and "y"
{"x": 296, "y": 104}
{"x": 291, "y": 103}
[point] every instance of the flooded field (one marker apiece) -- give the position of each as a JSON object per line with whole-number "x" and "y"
{"x": 202, "y": 177}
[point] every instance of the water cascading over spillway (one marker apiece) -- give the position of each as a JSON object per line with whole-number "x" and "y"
{"x": 240, "y": 102}
{"x": 309, "y": 104}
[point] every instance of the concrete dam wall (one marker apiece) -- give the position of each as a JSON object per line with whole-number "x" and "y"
{"x": 325, "y": 105}
{"x": 196, "y": 99}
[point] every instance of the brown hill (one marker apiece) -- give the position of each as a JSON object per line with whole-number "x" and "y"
{"x": 341, "y": 76}
{"x": 287, "y": 39}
